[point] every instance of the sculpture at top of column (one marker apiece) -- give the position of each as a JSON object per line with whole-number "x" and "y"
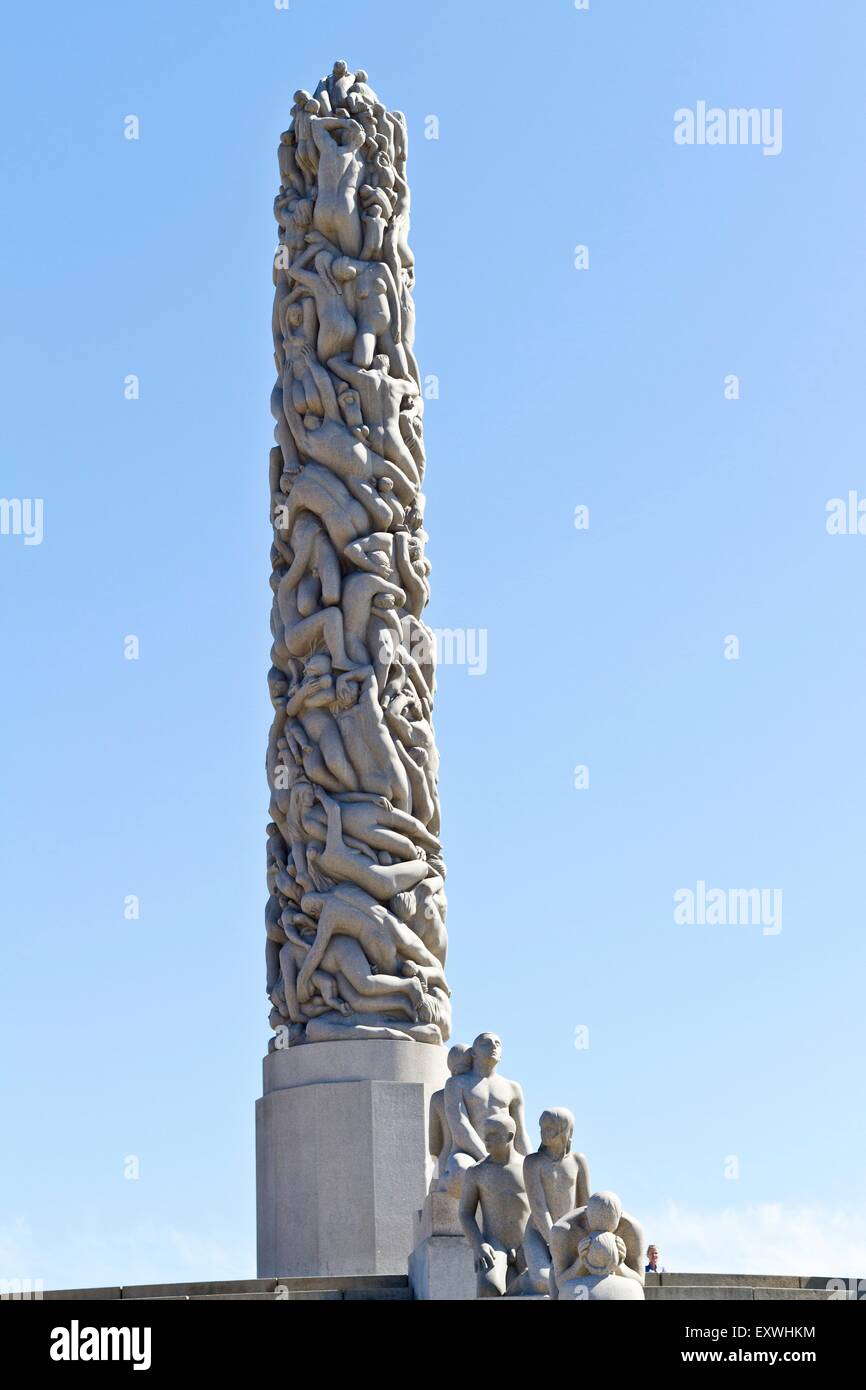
{"x": 355, "y": 921}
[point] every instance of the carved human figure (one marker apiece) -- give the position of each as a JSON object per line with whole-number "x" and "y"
{"x": 311, "y": 555}
{"x": 330, "y": 441}
{"x": 342, "y": 980}
{"x": 382, "y": 396}
{"x": 337, "y": 329}
{"x": 389, "y": 947}
{"x": 338, "y": 83}
{"x": 494, "y": 1188}
{"x": 310, "y": 705}
{"x": 481, "y": 1094}
{"x": 320, "y": 492}
{"x": 557, "y": 1181}
{"x": 447, "y": 1175}
{"x": 340, "y": 167}
{"x": 372, "y": 298}
{"x": 365, "y": 735}
{"x": 597, "y": 1252}
{"x": 304, "y": 109}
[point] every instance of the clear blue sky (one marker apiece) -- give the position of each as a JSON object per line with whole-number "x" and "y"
{"x": 558, "y": 387}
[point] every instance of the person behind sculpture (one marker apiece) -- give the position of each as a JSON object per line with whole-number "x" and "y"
{"x": 495, "y": 1186}
{"x": 476, "y": 1096}
{"x": 557, "y": 1181}
{"x": 585, "y": 1266}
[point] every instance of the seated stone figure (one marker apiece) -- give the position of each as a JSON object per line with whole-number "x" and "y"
{"x": 557, "y": 1182}
{"x": 495, "y": 1188}
{"x": 596, "y": 1253}
{"x": 471, "y": 1099}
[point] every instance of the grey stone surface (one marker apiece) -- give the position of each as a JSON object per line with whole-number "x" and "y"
{"x": 439, "y": 1216}
{"x": 752, "y": 1280}
{"x": 442, "y": 1268}
{"x": 449, "y": 1275}
{"x": 355, "y": 920}
{"x": 442, "y": 1265}
{"x": 341, "y": 1158}
{"x": 781, "y": 1294}
{"x": 194, "y": 1289}
{"x": 90, "y": 1295}
{"x": 689, "y": 1294}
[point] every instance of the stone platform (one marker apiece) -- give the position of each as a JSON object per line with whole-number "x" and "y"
{"x": 395, "y": 1288}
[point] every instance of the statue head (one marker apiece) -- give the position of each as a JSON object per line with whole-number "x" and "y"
{"x": 499, "y": 1133}
{"x": 312, "y": 107}
{"x": 342, "y": 269}
{"x": 361, "y": 75}
{"x": 311, "y": 905}
{"x": 340, "y": 69}
{"x": 602, "y": 1255}
{"x": 459, "y": 1059}
{"x": 603, "y": 1212}
{"x": 487, "y": 1050}
{"x": 557, "y": 1128}
{"x": 319, "y": 664}
{"x": 382, "y": 361}
{"x": 302, "y": 97}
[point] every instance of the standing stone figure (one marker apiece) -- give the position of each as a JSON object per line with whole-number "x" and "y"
{"x": 597, "y": 1253}
{"x": 557, "y": 1182}
{"x": 356, "y": 941}
{"x": 494, "y": 1187}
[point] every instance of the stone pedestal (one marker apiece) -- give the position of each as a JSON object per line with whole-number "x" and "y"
{"x": 441, "y": 1265}
{"x": 341, "y": 1155}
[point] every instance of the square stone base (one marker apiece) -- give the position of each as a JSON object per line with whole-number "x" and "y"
{"x": 341, "y": 1155}
{"x": 441, "y": 1266}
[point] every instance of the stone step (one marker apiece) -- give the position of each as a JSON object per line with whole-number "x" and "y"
{"x": 366, "y": 1295}
{"x": 741, "y": 1293}
{"x": 293, "y": 1289}
{"x": 752, "y": 1281}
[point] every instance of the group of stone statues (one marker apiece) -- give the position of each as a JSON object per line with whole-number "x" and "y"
{"x": 529, "y": 1218}
{"x": 355, "y": 919}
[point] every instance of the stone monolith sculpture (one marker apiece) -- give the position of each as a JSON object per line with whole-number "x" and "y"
{"x": 355, "y": 920}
